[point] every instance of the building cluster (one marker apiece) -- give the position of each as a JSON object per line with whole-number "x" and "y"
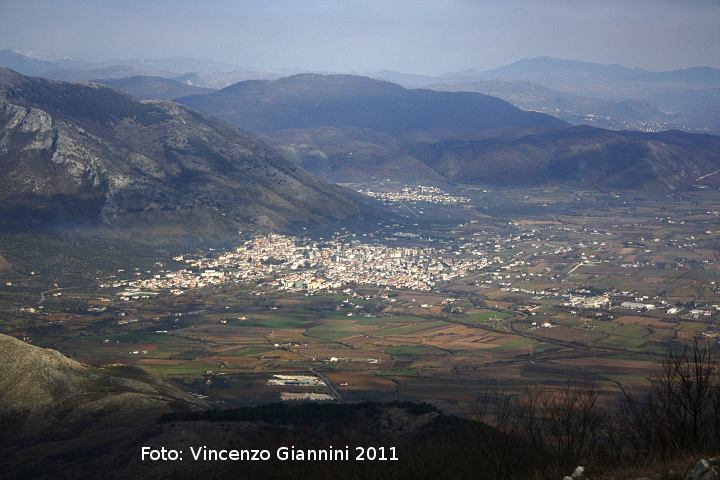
{"x": 296, "y": 381}
{"x": 418, "y": 193}
{"x": 290, "y": 263}
{"x": 595, "y": 301}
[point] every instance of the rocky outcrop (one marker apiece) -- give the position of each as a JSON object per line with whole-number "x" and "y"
{"x": 705, "y": 470}
{"x": 578, "y": 474}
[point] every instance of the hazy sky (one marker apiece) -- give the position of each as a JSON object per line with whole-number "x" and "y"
{"x": 418, "y": 36}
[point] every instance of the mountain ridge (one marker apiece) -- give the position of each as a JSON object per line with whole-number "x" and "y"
{"x": 582, "y": 155}
{"x": 332, "y": 126}
{"x": 88, "y": 153}
{"x": 148, "y": 87}
{"x": 314, "y": 100}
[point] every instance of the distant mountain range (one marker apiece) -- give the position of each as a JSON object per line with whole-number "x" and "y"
{"x": 25, "y": 64}
{"x": 147, "y": 87}
{"x": 554, "y": 72}
{"x": 350, "y": 128}
{"x": 192, "y": 71}
{"x": 603, "y": 80}
{"x": 30, "y": 64}
{"x": 608, "y": 96}
{"x": 613, "y": 114}
{"x": 88, "y": 154}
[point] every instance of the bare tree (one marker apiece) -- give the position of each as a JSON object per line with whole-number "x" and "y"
{"x": 681, "y": 399}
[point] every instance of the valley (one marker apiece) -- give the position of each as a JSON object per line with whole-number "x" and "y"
{"x": 360, "y": 240}
{"x": 514, "y": 288}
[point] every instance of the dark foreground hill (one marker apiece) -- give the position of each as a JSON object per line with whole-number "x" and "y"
{"x": 60, "y": 419}
{"x": 63, "y": 419}
{"x": 87, "y": 154}
{"x": 42, "y": 385}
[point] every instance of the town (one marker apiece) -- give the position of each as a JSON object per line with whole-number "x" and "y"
{"x": 419, "y": 193}
{"x": 290, "y": 263}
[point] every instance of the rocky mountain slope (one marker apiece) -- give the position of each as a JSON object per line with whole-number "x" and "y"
{"x": 56, "y": 412}
{"x": 88, "y": 154}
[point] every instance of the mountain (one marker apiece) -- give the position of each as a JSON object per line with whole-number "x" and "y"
{"x": 697, "y": 75}
{"x": 699, "y": 108}
{"x": 217, "y": 80}
{"x": 607, "y": 96}
{"x": 586, "y": 156}
{"x": 408, "y": 80}
{"x": 88, "y": 154}
{"x": 56, "y": 411}
{"x": 23, "y": 63}
{"x": 351, "y": 128}
{"x": 110, "y": 72}
{"x": 74, "y": 70}
{"x": 171, "y": 64}
{"x": 575, "y": 109}
{"x": 310, "y": 100}
{"x": 608, "y": 82}
{"x": 191, "y": 71}
{"x": 154, "y": 88}
{"x": 551, "y": 66}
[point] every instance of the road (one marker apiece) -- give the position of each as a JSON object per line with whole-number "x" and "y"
{"x": 42, "y": 295}
{"x": 328, "y": 383}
